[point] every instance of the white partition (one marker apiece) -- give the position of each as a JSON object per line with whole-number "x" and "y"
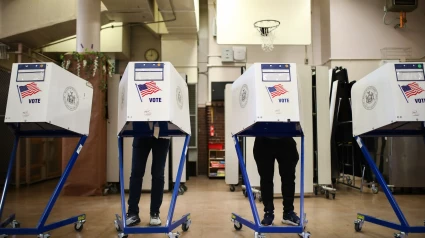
{"x": 232, "y": 164}
{"x": 153, "y": 92}
{"x": 389, "y": 98}
{"x": 323, "y": 126}
{"x": 44, "y": 96}
{"x": 177, "y": 145}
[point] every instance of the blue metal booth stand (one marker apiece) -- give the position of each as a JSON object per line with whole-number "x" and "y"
{"x": 26, "y": 130}
{"x": 404, "y": 228}
{"x": 142, "y": 129}
{"x": 270, "y": 129}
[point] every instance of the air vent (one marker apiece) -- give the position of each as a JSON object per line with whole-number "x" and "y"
{"x": 401, "y": 5}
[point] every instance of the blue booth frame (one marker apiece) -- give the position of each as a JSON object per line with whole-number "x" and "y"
{"x": 41, "y": 228}
{"x": 404, "y": 228}
{"x": 270, "y": 129}
{"x": 185, "y": 221}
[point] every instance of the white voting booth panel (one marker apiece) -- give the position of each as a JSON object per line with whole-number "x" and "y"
{"x": 389, "y": 98}
{"x": 50, "y": 96}
{"x": 268, "y": 92}
{"x": 153, "y": 92}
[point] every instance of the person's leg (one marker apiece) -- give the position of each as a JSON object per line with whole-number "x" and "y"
{"x": 265, "y": 165}
{"x": 159, "y": 152}
{"x": 287, "y": 158}
{"x": 141, "y": 150}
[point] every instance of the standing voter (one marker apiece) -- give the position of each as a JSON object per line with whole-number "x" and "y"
{"x": 141, "y": 149}
{"x": 284, "y": 150}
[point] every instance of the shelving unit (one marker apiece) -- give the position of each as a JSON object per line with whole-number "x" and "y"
{"x": 216, "y": 163}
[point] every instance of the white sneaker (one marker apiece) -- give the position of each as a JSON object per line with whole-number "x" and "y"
{"x": 155, "y": 220}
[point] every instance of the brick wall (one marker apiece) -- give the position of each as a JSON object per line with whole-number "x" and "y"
{"x": 202, "y": 141}
{"x": 216, "y": 118}
{"x": 205, "y": 120}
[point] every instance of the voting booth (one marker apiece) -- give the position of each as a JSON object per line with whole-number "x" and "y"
{"x": 390, "y": 101}
{"x": 46, "y": 100}
{"x": 153, "y": 102}
{"x": 265, "y": 102}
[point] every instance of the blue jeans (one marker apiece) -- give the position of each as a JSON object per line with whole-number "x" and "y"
{"x": 141, "y": 149}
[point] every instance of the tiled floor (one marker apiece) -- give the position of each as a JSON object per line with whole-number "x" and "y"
{"x": 210, "y": 203}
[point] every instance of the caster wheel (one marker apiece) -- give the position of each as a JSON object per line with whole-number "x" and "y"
{"x": 232, "y": 188}
{"x": 78, "y": 226}
{"x": 114, "y": 189}
{"x": 184, "y": 187}
{"x": 117, "y": 227}
{"x": 327, "y": 194}
{"x": 245, "y": 193}
{"x": 237, "y": 226}
{"x": 254, "y": 195}
{"x": 260, "y": 199}
{"x": 181, "y": 191}
{"x": 349, "y": 182}
{"x": 375, "y": 189}
{"x": 322, "y": 191}
{"x": 186, "y": 225}
{"x": 304, "y": 235}
{"x": 400, "y": 235}
{"x": 333, "y": 195}
{"x": 16, "y": 224}
{"x": 259, "y": 235}
{"x": 122, "y": 235}
{"x": 358, "y": 224}
{"x": 44, "y": 236}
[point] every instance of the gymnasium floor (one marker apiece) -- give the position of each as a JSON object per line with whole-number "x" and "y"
{"x": 210, "y": 203}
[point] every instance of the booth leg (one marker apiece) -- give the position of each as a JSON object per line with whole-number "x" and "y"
{"x": 185, "y": 220}
{"x": 361, "y": 218}
{"x": 11, "y": 218}
{"x": 78, "y": 220}
{"x": 120, "y": 221}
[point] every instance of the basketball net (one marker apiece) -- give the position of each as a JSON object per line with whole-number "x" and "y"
{"x": 267, "y": 40}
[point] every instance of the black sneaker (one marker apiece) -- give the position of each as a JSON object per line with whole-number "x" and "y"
{"x": 268, "y": 219}
{"x": 291, "y": 218}
{"x": 132, "y": 219}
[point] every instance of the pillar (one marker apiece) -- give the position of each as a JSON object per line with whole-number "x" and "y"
{"x": 88, "y": 25}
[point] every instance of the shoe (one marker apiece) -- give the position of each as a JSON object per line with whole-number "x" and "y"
{"x": 268, "y": 219}
{"x": 155, "y": 220}
{"x": 132, "y": 219}
{"x": 291, "y": 218}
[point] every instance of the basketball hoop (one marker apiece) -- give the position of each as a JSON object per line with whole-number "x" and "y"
{"x": 266, "y": 28}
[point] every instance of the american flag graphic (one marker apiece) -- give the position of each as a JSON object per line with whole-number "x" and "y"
{"x": 411, "y": 89}
{"x": 148, "y": 88}
{"x": 28, "y": 90}
{"x": 277, "y": 90}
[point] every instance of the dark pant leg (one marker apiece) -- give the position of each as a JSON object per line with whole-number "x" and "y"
{"x": 159, "y": 157}
{"x": 287, "y": 157}
{"x": 265, "y": 165}
{"x": 141, "y": 149}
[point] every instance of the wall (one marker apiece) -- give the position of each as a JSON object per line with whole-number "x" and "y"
{"x": 357, "y": 30}
{"x": 294, "y": 54}
{"x": 182, "y": 52}
{"x": 141, "y": 40}
{"x": 42, "y": 12}
{"x": 202, "y": 141}
{"x": 355, "y": 42}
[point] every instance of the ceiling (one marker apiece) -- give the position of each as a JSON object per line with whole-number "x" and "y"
{"x": 127, "y": 11}
{"x": 130, "y": 10}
